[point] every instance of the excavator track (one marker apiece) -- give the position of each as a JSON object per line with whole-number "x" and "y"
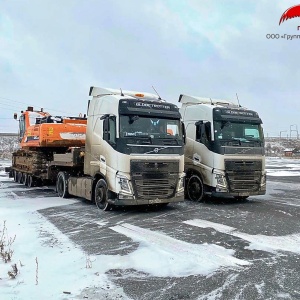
{"x": 34, "y": 163}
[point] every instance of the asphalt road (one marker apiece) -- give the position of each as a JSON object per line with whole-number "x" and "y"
{"x": 270, "y": 223}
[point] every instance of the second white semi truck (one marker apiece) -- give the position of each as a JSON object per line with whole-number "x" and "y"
{"x": 133, "y": 153}
{"x": 224, "y": 152}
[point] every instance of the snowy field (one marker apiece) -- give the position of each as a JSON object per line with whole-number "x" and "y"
{"x": 44, "y": 271}
{"x": 283, "y": 167}
{"x": 48, "y": 265}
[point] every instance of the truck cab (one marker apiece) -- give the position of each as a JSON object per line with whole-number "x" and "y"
{"x": 224, "y": 153}
{"x": 134, "y": 151}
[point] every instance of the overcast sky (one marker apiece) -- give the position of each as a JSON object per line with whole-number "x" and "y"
{"x": 52, "y": 51}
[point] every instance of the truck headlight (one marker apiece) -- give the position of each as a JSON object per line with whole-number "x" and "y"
{"x": 263, "y": 180}
{"x": 221, "y": 181}
{"x": 124, "y": 184}
{"x": 180, "y": 185}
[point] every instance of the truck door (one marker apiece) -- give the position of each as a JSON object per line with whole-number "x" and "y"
{"x": 109, "y": 135}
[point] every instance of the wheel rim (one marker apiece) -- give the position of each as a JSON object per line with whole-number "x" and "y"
{"x": 195, "y": 189}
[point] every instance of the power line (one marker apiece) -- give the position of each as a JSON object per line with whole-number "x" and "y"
{"x": 47, "y": 108}
{"x": 8, "y": 109}
{"x": 5, "y": 104}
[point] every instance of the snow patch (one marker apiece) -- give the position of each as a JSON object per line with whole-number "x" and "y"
{"x": 290, "y": 243}
{"x": 168, "y": 257}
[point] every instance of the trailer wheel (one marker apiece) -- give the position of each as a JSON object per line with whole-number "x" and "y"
{"x": 101, "y": 195}
{"x": 25, "y": 179}
{"x": 195, "y": 189}
{"x": 62, "y": 185}
{"x": 20, "y": 177}
{"x": 15, "y": 176}
{"x": 30, "y": 181}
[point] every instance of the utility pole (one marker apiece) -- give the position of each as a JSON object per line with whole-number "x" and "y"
{"x": 293, "y": 130}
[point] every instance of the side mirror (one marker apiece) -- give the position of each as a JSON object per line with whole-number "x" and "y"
{"x": 15, "y": 116}
{"x": 207, "y": 128}
{"x": 203, "y": 132}
{"x": 109, "y": 129}
{"x": 105, "y": 128}
{"x": 183, "y": 133}
{"x": 88, "y": 106}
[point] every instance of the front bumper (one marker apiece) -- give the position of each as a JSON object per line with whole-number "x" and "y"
{"x": 232, "y": 194}
{"x": 179, "y": 197}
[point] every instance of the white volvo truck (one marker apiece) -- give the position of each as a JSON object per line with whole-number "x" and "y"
{"x": 133, "y": 154}
{"x": 224, "y": 152}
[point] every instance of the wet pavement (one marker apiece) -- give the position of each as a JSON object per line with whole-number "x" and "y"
{"x": 263, "y": 231}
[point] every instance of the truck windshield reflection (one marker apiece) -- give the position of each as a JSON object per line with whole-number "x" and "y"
{"x": 139, "y": 126}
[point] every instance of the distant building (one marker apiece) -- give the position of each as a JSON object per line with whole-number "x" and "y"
{"x": 288, "y": 152}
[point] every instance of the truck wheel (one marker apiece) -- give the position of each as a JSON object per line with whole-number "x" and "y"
{"x": 195, "y": 188}
{"x": 62, "y": 185}
{"x": 101, "y": 195}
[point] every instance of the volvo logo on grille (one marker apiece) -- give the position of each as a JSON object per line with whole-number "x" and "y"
{"x": 156, "y": 150}
{"x": 244, "y": 150}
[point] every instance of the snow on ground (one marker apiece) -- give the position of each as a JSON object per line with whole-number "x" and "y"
{"x": 168, "y": 257}
{"x": 48, "y": 263}
{"x": 282, "y": 167}
{"x": 267, "y": 243}
{"x": 51, "y": 266}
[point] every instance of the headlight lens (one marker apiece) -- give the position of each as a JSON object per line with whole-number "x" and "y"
{"x": 180, "y": 185}
{"x": 221, "y": 182}
{"x": 124, "y": 184}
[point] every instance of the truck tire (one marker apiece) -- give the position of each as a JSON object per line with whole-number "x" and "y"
{"x": 15, "y": 173}
{"x": 30, "y": 181}
{"x": 100, "y": 195}
{"x": 62, "y": 185}
{"x": 25, "y": 179}
{"x": 195, "y": 190}
{"x": 20, "y": 177}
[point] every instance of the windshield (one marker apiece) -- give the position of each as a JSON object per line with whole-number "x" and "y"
{"x": 233, "y": 131}
{"x": 134, "y": 125}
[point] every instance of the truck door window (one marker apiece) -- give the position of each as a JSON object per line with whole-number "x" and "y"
{"x": 109, "y": 130}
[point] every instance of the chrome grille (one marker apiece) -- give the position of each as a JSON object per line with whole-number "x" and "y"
{"x": 243, "y": 175}
{"x": 152, "y": 179}
{"x": 155, "y": 188}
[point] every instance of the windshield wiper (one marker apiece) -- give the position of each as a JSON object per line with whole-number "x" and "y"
{"x": 143, "y": 138}
{"x": 169, "y": 138}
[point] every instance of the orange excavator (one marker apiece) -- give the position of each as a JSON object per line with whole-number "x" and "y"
{"x": 42, "y": 135}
